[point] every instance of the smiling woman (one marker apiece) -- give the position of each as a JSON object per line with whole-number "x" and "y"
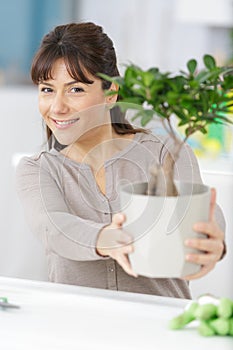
{"x": 68, "y": 49}
{"x": 62, "y": 101}
{"x": 70, "y": 192}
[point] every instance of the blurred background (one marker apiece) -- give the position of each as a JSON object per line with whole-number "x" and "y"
{"x": 149, "y": 33}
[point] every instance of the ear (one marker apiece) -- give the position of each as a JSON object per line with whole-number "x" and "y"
{"x": 112, "y": 98}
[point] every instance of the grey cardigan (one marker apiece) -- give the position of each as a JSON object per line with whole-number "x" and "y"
{"x": 66, "y": 210}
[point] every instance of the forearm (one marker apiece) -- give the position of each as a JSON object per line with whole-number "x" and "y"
{"x": 61, "y": 229}
{"x": 70, "y": 236}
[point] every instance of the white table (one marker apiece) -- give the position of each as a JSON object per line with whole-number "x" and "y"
{"x": 55, "y": 316}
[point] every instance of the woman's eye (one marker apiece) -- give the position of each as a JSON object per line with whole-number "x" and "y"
{"x": 77, "y": 89}
{"x": 46, "y": 89}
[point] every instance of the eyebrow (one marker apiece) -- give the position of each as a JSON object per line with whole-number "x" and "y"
{"x": 66, "y": 84}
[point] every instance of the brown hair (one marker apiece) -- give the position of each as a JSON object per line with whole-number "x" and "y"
{"x": 84, "y": 48}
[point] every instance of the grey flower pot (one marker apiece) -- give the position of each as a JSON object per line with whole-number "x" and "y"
{"x": 160, "y": 225}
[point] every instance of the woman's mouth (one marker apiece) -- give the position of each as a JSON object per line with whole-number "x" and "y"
{"x": 62, "y": 124}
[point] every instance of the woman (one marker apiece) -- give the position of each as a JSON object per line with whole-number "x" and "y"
{"x": 70, "y": 192}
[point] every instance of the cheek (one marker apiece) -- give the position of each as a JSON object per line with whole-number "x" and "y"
{"x": 96, "y": 99}
{"x": 43, "y": 107}
{"x": 97, "y": 115}
{"x": 40, "y": 106}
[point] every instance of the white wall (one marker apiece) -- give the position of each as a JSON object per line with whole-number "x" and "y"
{"x": 21, "y": 255}
{"x": 160, "y": 33}
{"x": 212, "y": 12}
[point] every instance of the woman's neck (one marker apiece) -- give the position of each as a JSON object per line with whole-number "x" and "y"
{"x": 97, "y": 147}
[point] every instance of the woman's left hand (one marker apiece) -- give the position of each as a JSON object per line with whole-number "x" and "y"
{"x": 212, "y": 246}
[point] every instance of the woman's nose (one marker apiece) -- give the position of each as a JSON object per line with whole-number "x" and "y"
{"x": 59, "y": 105}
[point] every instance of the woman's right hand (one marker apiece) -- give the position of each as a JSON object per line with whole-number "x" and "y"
{"x": 116, "y": 243}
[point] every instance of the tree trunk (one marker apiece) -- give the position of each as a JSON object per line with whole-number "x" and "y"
{"x": 161, "y": 182}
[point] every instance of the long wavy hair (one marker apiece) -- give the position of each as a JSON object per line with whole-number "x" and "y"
{"x": 85, "y": 48}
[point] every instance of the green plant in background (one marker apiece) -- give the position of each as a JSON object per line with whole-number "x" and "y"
{"x": 196, "y": 98}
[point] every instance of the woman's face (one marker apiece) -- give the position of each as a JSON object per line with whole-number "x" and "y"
{"x": 71, "y": 109}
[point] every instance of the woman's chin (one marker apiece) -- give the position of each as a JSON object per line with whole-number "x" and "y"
{"x": 65, "y": 141}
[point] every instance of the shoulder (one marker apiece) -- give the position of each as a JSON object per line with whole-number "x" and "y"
{"x": 149, "y": 137}
{"x": 29, "y": 164}
{"x": 161, "y": 144}
{"x": 149, "y": 140}
{"x": 157, "y": 140}
{"x": 154, "y": 143}
{"x": 34, "y": 170}
{"x": 167, "y": 144}
{"x": 28, "y": 161}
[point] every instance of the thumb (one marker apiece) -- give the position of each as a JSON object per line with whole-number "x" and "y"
{"x": 118, "y": 219}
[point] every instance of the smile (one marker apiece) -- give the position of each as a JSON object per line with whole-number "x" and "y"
{"x": 64, "y": 123}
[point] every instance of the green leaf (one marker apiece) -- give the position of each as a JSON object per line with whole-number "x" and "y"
{"x": 183, "y": 122}
{"x": 111, "y": 92}
{"x": 146, "y": 119}
{"x": 180, "y": 114}
{"x": 204, "y": 98}
{"x": 222, "y": 118}
{"x": 192, "y": 65}
{"x": 148, "y": 78}
{"x": 131, "y": 75}
{"x": 156, "y": 88}
{"x": 203, "y": 130}
{"x": 146, "y": 116}
{"x": 209, "y": 61}
{"x": 204, "y": 76}
{"x": 136, "y": 116}
{"x": 129, "y": 104}
{"x": 118, "y": 80}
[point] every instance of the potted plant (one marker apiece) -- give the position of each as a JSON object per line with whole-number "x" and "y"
{"x": 160, "y": 214}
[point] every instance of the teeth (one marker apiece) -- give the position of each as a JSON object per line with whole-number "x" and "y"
{"x": 66, "y": 122}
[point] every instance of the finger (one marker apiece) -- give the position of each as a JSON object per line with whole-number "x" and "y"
{"x": 212, "y": 204}
{"x": 202, "y": 259}
{"x": 124, "y": 262}
{"x": 209, "y": 228}
{"x": 124, "y": 237}
{"x": 118, "y": 219}
{"x": 121, "y": 249}
{"x": 206, "y": 245}
{"x": 203, "y": 271}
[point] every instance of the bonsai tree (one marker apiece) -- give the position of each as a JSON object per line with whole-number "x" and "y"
{"x": 196, "y": 98}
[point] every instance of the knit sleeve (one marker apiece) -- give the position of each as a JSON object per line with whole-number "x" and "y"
{"x": 48, "y": 215}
